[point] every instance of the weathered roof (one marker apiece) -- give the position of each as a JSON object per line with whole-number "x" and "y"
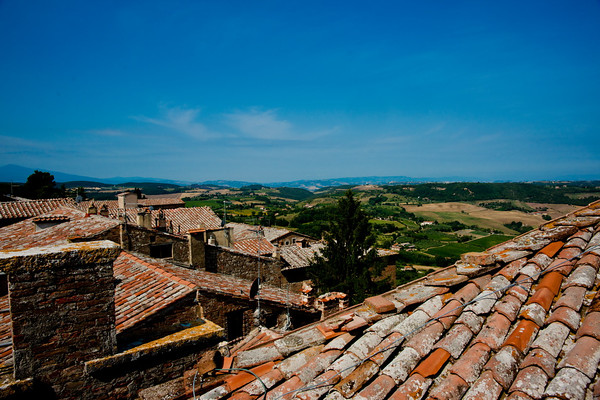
{"x": 255, "y": 246}
{"x": 6, "y": 353}
{"x": 147, "y": 285}
{"x": 519, "y": 321}
{"x": 31, "y": 208}
{"x": 232, "y": 286}
{"x": 300, "y": 257}
{"x": 76, "y": 225}
{"x": 245, "y": 231}
{"x": 182, "y": 219}
{"x": 143, "y": 289}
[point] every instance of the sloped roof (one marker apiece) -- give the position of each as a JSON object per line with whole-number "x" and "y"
{"x": 6, "y": 353}
{"x": 519, "y": 321}
{"x": 147, "y": 285}
{"x": 232, "y": 286}
{"x": 77, "y": 225}
{"x": 300, "y": 257}
{"x": 143, "y": 289}
{"x": 245, "y": 231}
{"x": 182, "y": 219}
{"x": 253, "y": 246}
{"x": 31, "y": 208}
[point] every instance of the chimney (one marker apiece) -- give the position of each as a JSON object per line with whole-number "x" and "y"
{"x": 144, "y": 219}
{"x": 277, "y": 252}
{"x": 212, "y": 240}
{"x": 127, "y": 200}
{"x": 104, "y": 210}
{"x": 92, "y": 210}
{"x": 161, "y": 222}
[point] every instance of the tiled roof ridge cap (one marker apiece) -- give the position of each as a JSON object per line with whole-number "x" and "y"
{"x": 160, "y": 271}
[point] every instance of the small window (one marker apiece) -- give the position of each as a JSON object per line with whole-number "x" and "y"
{"x": 287, "y": 242}
{"x": 293, "y": 240}
{"x": 163, "y": 250}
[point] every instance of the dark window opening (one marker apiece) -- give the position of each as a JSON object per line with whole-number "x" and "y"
{"x": 164, "y": 250}
{"x": 235, "y": 324}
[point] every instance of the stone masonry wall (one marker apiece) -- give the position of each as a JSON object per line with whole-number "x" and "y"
{"x": 62, "y": 312}
{"x": 231, "y": 262}
{"x": 139, "y": 239}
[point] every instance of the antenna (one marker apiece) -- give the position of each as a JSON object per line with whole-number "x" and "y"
{"x": 259, "y": 232}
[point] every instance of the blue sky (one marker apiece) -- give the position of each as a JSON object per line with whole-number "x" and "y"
{"x": 282, "y": 90}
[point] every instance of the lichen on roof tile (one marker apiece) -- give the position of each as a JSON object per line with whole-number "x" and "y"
{"x": 455, "y": 341}
{"x": 531, "y": 381}
{"x": 552, "y": 338}
{"x": 568, "y": 383}
{"x": 485, "y": 388}
{"x": 504, "y": 365}
{"x": 402, "y": 365}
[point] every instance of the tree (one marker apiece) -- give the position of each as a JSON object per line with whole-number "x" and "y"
{"x": 348, "y": 260}
{"x": 41, "y": 185}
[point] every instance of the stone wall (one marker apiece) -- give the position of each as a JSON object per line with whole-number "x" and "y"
{"x": 138, "y": 239}
{"x": 62, "y": 312}
{"x": 63, "y": 324}
{"x": 231, "y": 262}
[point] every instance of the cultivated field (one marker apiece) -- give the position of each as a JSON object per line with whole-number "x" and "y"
{"x": 470, "y": 214}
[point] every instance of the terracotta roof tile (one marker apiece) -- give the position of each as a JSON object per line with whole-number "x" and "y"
{"x": 485, "y": 388}
{"x": 455, "y": 340}
{"x": 572, "y": 297}
{"x": 584, "y": 356}
{"x": 450, "y": 388}
{"x": 378, "y": 389}
{"x": 493, "y": 331}
{"x": 567, "y": 316}
{"x": 508, "y": 306}
{"x": 504, "y": 365}
{"x": 357, "y": 378}
{"x": 31, "y": 208}
{"x": 531, "y": 381}
{"x": 24, "y": 234}
{"x": 542, "y": 359}
{"x": 471, "y": 363}
{"x": 590, "y": 326}
{"x": 468, "y": 331}
{"x": 414, "y": 388}
{"x": 568, "y": 383}
{"x": 431, "y": 365}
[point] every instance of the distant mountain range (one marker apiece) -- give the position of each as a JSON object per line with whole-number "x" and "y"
{"x": 17, "y": 173}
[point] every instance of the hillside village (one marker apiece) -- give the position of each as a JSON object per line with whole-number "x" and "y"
{"x": 146, "y": 298}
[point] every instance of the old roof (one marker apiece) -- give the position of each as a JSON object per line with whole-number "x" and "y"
{"x": 143, "y": 289}
{"x": 245, "y": 231}
{"x": 31, "y": 208}
{"x": 76, "y": 225}
{"x": 300, "y": 257}
{"x": 182, "y": 219}
{"x": 255, "y": 246}
{"x": 518, "y": 321}
{"x": 6, "y": 354}
{"x": 147, "y": 285}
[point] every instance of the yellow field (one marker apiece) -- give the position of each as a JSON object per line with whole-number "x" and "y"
{"x": 471, "y": 214}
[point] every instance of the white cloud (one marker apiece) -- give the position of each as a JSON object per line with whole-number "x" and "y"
{"x": 260, "y": 124}
{"x": 182, "y": 120}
